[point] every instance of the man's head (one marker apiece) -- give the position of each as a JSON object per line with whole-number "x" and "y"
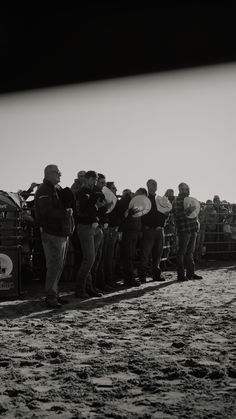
{"x": 127, "y": 192}
{"x": 141, "y": 191}
{"x": 209, "y": 204}
{"x": 216, "y": 199}
{"x": 101, "y": 182}
{"x": 52, "y": 174}
{"x": 112, "y": 187}
{"x": 184, "y": 189}
{"x": 80, "y": 181}
{"x": 91, "y": 178}
{"x": 81, "y": 174}
{"x": 152, "y": 186}
{"x": 170, "y": 194}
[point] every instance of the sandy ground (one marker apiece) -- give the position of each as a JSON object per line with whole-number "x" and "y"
{"x": 163, "y": 350}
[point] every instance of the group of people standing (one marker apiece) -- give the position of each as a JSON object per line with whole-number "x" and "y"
{"x": 83, "y": 215}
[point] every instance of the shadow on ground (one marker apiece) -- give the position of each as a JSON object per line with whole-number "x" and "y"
{"x": 36, "y": 306}
{"x": 31, "y": 302}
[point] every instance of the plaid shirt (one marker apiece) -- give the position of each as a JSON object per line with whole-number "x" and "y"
{"x": 182, "y": 222}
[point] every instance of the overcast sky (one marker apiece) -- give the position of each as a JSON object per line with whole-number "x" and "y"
{"x": 174, "y": 127}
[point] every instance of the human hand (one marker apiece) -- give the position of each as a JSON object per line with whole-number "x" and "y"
{"x": 33, "y": 185}
{"x": 134, "y": 210}
{"x": 108, "y": 205}
{"x": 94, "y": 225}
{"x": 100, "y": 203}
{"x": 126, "y": 213}
{"x": 190, "y": 209}
{"x": 70, "y": 211}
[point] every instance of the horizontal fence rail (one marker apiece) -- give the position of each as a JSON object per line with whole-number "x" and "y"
{"x": 216, "y": 238}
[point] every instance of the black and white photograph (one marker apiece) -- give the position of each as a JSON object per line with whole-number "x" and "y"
{"x": 118, "y": 211}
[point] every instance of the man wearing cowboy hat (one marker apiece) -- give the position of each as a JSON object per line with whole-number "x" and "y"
{"x": 187, "y": 228}
{"x": 153, "y": 236}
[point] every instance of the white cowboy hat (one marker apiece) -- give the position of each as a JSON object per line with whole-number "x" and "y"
{"x": 141, "y": 204}
{"x": 6, "y": 265}
{"x": 193, "y": 202}
{"x": 163, "y": 204}
{"x": 110, "y": 198}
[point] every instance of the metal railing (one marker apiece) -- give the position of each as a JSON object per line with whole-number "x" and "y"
{"x": 216, "y": 242}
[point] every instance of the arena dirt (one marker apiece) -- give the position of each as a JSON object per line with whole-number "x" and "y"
{"x": 161, "y": 351}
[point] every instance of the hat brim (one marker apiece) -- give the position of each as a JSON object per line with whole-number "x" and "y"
{"x": 167, "y": 207}
{"x": 193, "y": 202}
{"x": 6, "y": 262}
{"x": 110, "y": 198}
{"x": 142, "y": 204}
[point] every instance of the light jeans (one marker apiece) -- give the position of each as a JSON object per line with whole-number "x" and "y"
{"x": 55, "y": 249}
{"x": 90, "y": 240}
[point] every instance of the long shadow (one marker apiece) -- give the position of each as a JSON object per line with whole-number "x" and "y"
{"x": 35, "y": 307}
{"x": 231, "y": 268}
{"x": 216, "y": 265}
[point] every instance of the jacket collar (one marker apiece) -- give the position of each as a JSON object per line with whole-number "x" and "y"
{"x": 48, "y": 183}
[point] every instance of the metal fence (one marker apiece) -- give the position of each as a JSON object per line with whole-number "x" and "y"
{"x": 20, "y": 241}
{"x": 216, "y": 238}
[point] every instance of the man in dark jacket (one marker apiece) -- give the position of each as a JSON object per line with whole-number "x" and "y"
{"x": 53, "y": 217}
{"x": 89, "y": 233}
{"x": 130, "y": 228}
{"x": 153, "y": 237}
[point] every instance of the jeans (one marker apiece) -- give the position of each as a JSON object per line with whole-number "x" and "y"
{"x": 109, "y": 256}
{"x": 186, "y": 247}
{"x": 90, "y": 240}
{"x": 152, "y": 244}
{"x": 55, "y": 249}
{"x": 98, "y": 267}
{"x": 128, "y": 248}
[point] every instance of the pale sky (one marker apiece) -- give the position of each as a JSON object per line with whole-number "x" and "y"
{"x": 174, "y": 127}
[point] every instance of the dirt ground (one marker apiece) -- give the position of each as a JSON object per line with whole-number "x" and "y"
{"x": 161, "y": 350}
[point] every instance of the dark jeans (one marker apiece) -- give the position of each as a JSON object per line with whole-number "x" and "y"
{"x": 103, "y": 268}
{"x": 128, "y": 248}
{"x": 210, "y": 239}
{"x": 109, "y": 255}
{"x": 152, "y": 244}
{"x": 98, "y": 267}
{"x": 55, "y": 250}
{"x": 90, "y": 240}
{"x": 186, "y": 247}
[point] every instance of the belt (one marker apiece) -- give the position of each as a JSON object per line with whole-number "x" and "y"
{"x": 153, "y": 228}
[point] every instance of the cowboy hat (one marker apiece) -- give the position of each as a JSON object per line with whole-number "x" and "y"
{"x": 6, "y": 265}
{"x": 163, "y": 204}
{"x": 140, "y": 204}
{"x": 193, "y": 202}
{"x": 110, "y": 198}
